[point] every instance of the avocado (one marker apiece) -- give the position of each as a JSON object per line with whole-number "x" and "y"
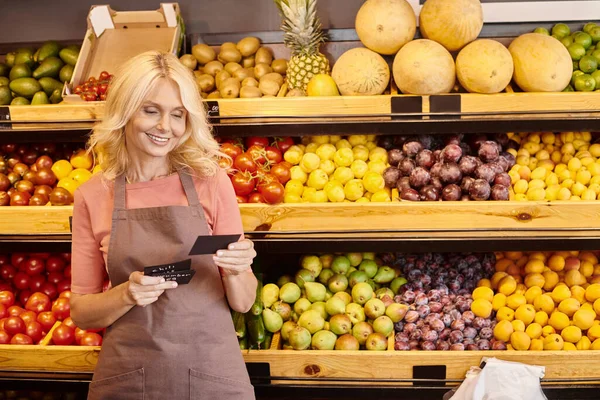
{"x": 69, "y": 56}
{"x": 66, "y": 73}
{"x": 20, "y": 101}
{"x": 50, "y": 67}
{"x": 10, "y": 59}
{"x": 4, "y": 69}
{"x": 74, "y": 47}
{"x": 25, "y": 57}
{"x": 4, "y": 81}
{"x": 5, "y": 95}
{"x": 25, "y": 87}
{"x": 48, "y": 49}
{"x": 56, "y": 96}
{"x": 49, "y": 85}
{"x": 40, "y": 98}
{"x": 20, "y": 71}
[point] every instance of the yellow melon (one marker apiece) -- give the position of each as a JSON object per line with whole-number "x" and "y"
{"x": 542, "y": 63}
{"x": 484, "y": 66}
{"x": 385, "y": 26}
{"x": 452, "y": 23}
{"x": 424, "y": 67}
{"x": 360, "y": 72}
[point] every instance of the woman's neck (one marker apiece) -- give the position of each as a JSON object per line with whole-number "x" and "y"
{"x": 147, "y": 170}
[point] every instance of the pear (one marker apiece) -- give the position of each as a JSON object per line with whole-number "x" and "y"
{"x": 355, "y": 259}
{"x": 325, "y": 275}
{"x": 283, "y": 309}
{"x": 346, "y": 297}
{"x": 312, "y": 264}
{"x": 326, "y": 260}
{"x": 301, "y": 306}
{"x": 368, "y": 266}
{"x": 397, "y": 283}
{"x": 328, "y": 294}
{"x": 355, "y": 312}
{"x": 303, "y": 276}
{"x": 286, "y": 328}
{"x": 335, "y": 305}
{"x": 368, "y": 256}
{"x": 357, "y": 277}
{"x": 387, "y": 300}
{"x": 396, "y": 311}
{"x": 270, "y": 294}
{"x": 376, "y": 342}
{"x": 397, "y": 272}
{"x": 337, "y": 283}
{"x": 379, "y": 293}
{"x": 283, "y": 280}
{"x": 311, "y": 320}
{"x": 320, "y": 307}
{"x": 315, "y": 291}
{"x": 361, "y": 331}
{"x": 384, "y": 275}
{"x": 340, "y": 265}
{"x": 374, "y": 308}
{"x": 326, "y": 326}
{"x": 383, "y": 325}
{"x": 323, "y": 340}
{"x": 340, "y": 324}
{"x": 290, "y": 293}
{"x": 272, "y": 320}
{"x": 299, "y": 338}
{"x": 362, "y": 292}
{"x": 350, "y": 271}
{"x": 347, "y": 342}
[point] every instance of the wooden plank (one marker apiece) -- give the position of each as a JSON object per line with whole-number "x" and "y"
{"x": 530, "y": 102}
{"x": 91, "y": 111}
{"x": 48, "y": 358}
{"x": 35, "y": 220}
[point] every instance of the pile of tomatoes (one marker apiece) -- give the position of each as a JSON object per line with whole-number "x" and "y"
{"x": 94, "y": 89}
{"x": 258, "y": 172}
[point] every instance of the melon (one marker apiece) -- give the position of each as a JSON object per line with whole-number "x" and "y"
{"x": 542, "y": 63}
{"x": 361, "y": 72}
{"x": 424, "y": 67}
{"x": 384, "y": 26}
{"x": 484, "y": 66}
{"x": 451, "y": 23}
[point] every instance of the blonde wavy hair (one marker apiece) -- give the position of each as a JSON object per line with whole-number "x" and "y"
{"x": 197, "y": 151}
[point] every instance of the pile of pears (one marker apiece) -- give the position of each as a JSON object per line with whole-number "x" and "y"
{"x": 335, "y": 302}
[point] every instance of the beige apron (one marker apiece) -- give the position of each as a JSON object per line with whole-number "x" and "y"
{"x": 183, "y": 346}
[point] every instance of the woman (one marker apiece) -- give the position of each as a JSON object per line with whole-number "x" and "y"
{"x": 160, "y": 189}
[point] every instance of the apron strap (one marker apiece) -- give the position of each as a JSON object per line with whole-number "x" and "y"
{"x": 119, "y": 195}
{"x": 190, "y": 189}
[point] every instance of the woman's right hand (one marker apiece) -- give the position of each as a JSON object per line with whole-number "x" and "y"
{"x": 143, "y": 289}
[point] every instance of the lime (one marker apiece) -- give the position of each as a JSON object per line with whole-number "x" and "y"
{"x": 5, "y": 96}
{"x": 596, "y": 76}
{"x": 569, "y": 89}
{"x": 576, "y": 50}
{"x": 561, "y": 30}
{"x": 585, "y": 83}
{"x": 583, "y": 39}
{"x": 595, "y": 34}
{"x": 556, "y": 37}
{"x": 596, "y": 55}
{"x": 4, "y": 81}
{"x": 575, "y": 75}
{"x": 542, "y": 31}
{"x": 588, "y": 64}
{"x": 567, "y": 41}
{"x": 589, "y": 26}
{"x": 589, "y": 52}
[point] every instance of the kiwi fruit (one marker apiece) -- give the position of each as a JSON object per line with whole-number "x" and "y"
{"x": 248, "y": 46}
{"x": 273, "y": 76}
{"x": 248, "y": 62}
{"x": 231, "y": 81}
{"x": 268, "y": 87}
{"x": 242, "y": 74}
{"x": 263, "y": 56}
{"x": 297, "y": 92}
{"x": 262, "y": 69}
{"x": 213, "y": 68}
{"x": 269, "y": 95}
{"x": 220, "y": 77}
{"x": 203, "y": 53}
{"x": 250, "y": 92}
{"x": 279, "y": 66}
{"x": 189, "y": 61}
{"x": 230, "y": 88}
{"x": 229, "y": 45}
{"x": 206, "y": 82}
{"x": 231, "y": 67}
{"x": 214, "y": 95}
{"x": 228, "y": 55}
{"x": 250, "y": 82}
{"x": 204, "y": 95}
{"x": 198, "y": 72}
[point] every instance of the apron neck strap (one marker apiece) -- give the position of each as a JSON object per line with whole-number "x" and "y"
{"x": 119, "y": 201}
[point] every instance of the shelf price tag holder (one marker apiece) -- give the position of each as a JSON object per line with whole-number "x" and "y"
{"x": 213, "y": 112}
{"x": 5, "y": 117}
{"x": 406, "y": 105}
{"x": 443, "y": 104}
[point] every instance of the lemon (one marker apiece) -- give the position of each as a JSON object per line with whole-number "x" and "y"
{"x": 322, "y": 85}
{"x": 68, "y": 183}
{"x": 62, "y": 169}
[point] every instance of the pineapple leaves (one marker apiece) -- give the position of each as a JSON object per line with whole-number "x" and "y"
{"x": 301, "y": 25}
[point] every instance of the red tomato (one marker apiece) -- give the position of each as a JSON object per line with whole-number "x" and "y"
{"x": 283, "y": 144}
{"x": 67, "y": 272}
{"x": 33, "y": 329}
{"x": 55, "y": 277}
{"x": 4, "y": 337}
{"x": 15, "y": 311}
{"x": 21, "y": 280}
{"x": 78, "y": 89}
{"x": 7, "y": 298}
{"x": 273, "y": 192}
{"x": 28, "y": 316}
{"x": 2, "y": 321}
{"x": 47, "y": 320}
{"x": 61, "y": 308}
{"x": 225, "y": 164}
{"x": 17, "y": 258}
{"x": 64, "y": 286}
{"x": 231, "y": 150}
{"x": 43, "y": 256}
{"x": 50, "y": 290}
{"x": 38, "y": 302}
{"x": 91, "y": 339}
{"x": 66, "y": 294}
{"x": 21, "y": 338}
{"x": 36, "y": 283}
{"x": 273, "y": 154}
{"x": 63, "y": 335}
{"x": 69, "y": 322}
{"x": 66, "y": 257}
{"x": 243, "y": 183}
{"x": 282, "y": 172}
{"x": 102, "y": 88}
{"x": 256, "y": 198}
{"x": 7, "y": 272}
{"x": 258, "y": 154}
{"x": 244, "y": 162}
{"x": 258, "y": 141}
{"x": 55, "y": 264}
{"x": 104, "y": 76}
{"x": 5, "y": 286}
{"x": 24, "y": 296}
{"x": 33, "y": 266}
{"x": 4, "y": 259}
{"x": 241, "y": 199}
{"x": 79, "y": 334}
{"x": 14, "y": 325}
{"x": 3, "y": 311}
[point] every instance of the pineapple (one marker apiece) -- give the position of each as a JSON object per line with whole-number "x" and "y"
{"x": 303, "y": 35}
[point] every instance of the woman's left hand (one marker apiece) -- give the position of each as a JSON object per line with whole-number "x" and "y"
{"x": 237, "y": 258}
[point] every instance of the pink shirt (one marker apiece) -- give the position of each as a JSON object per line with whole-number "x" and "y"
{"x": 92, "y": 218}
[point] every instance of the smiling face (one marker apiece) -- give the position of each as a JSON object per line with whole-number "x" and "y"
{"x": 156, "y": 128}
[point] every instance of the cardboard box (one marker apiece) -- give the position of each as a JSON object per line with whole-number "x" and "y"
{"x": 113, "y": 37}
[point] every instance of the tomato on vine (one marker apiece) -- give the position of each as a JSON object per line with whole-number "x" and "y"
{"x": 256, "y": 141}
{"x": 231, "y": 150}
{"x": 283, "y": 143}
{"x": 273, "y": 154}
{"x": 244, "y": 162}
{"x": 243, "y": 183}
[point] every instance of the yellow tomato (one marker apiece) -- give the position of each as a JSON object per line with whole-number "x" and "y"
{"x": 62, "y": 169}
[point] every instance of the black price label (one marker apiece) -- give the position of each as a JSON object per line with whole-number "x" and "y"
{"x": 5, "y": 117}
{"x": 212, "y": 109}
{"x": 407, "y": 105}
{"x": 71, "y": 224}
{"x": 445, "y": 105}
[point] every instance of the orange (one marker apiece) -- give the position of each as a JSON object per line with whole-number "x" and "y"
{"x": 481, "y": 308}
{"x": 584, "y": 319}
{"x": 515, "y": 300}
{"x": 556, "y": 263}
{"x": 551, "y": 280}
{"x": 62, "y": 169}
{"x": 592, "y": 293}
{"x": 503, "y": 330}
{"x": 525, "y": 313}
{"x": 584, "y": 343}
{"x": 569, "y": 306}
{"x": 536, "y": 345}
{"x": 534, "y": 279}
{"x": 544, "y": 303}
{"x": 507, "y": 285}
{"x": 532, "y": 293}
{"x": 553, "y": 342}
{"x": 483, "y": 293}
{"x": 534, "y": 331}
{"x": 571, "y": 334}
{"x": 559, "y": 321}
{"x": 498, "y": 301}
{"x": 560, "y": 292}
{"x": 68, "y": 183}
{"x": 534, "y": 266}
{"x": 518, "y": 326}
{"x": 520, "y": 341}
{"x": 541, "y": 318}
